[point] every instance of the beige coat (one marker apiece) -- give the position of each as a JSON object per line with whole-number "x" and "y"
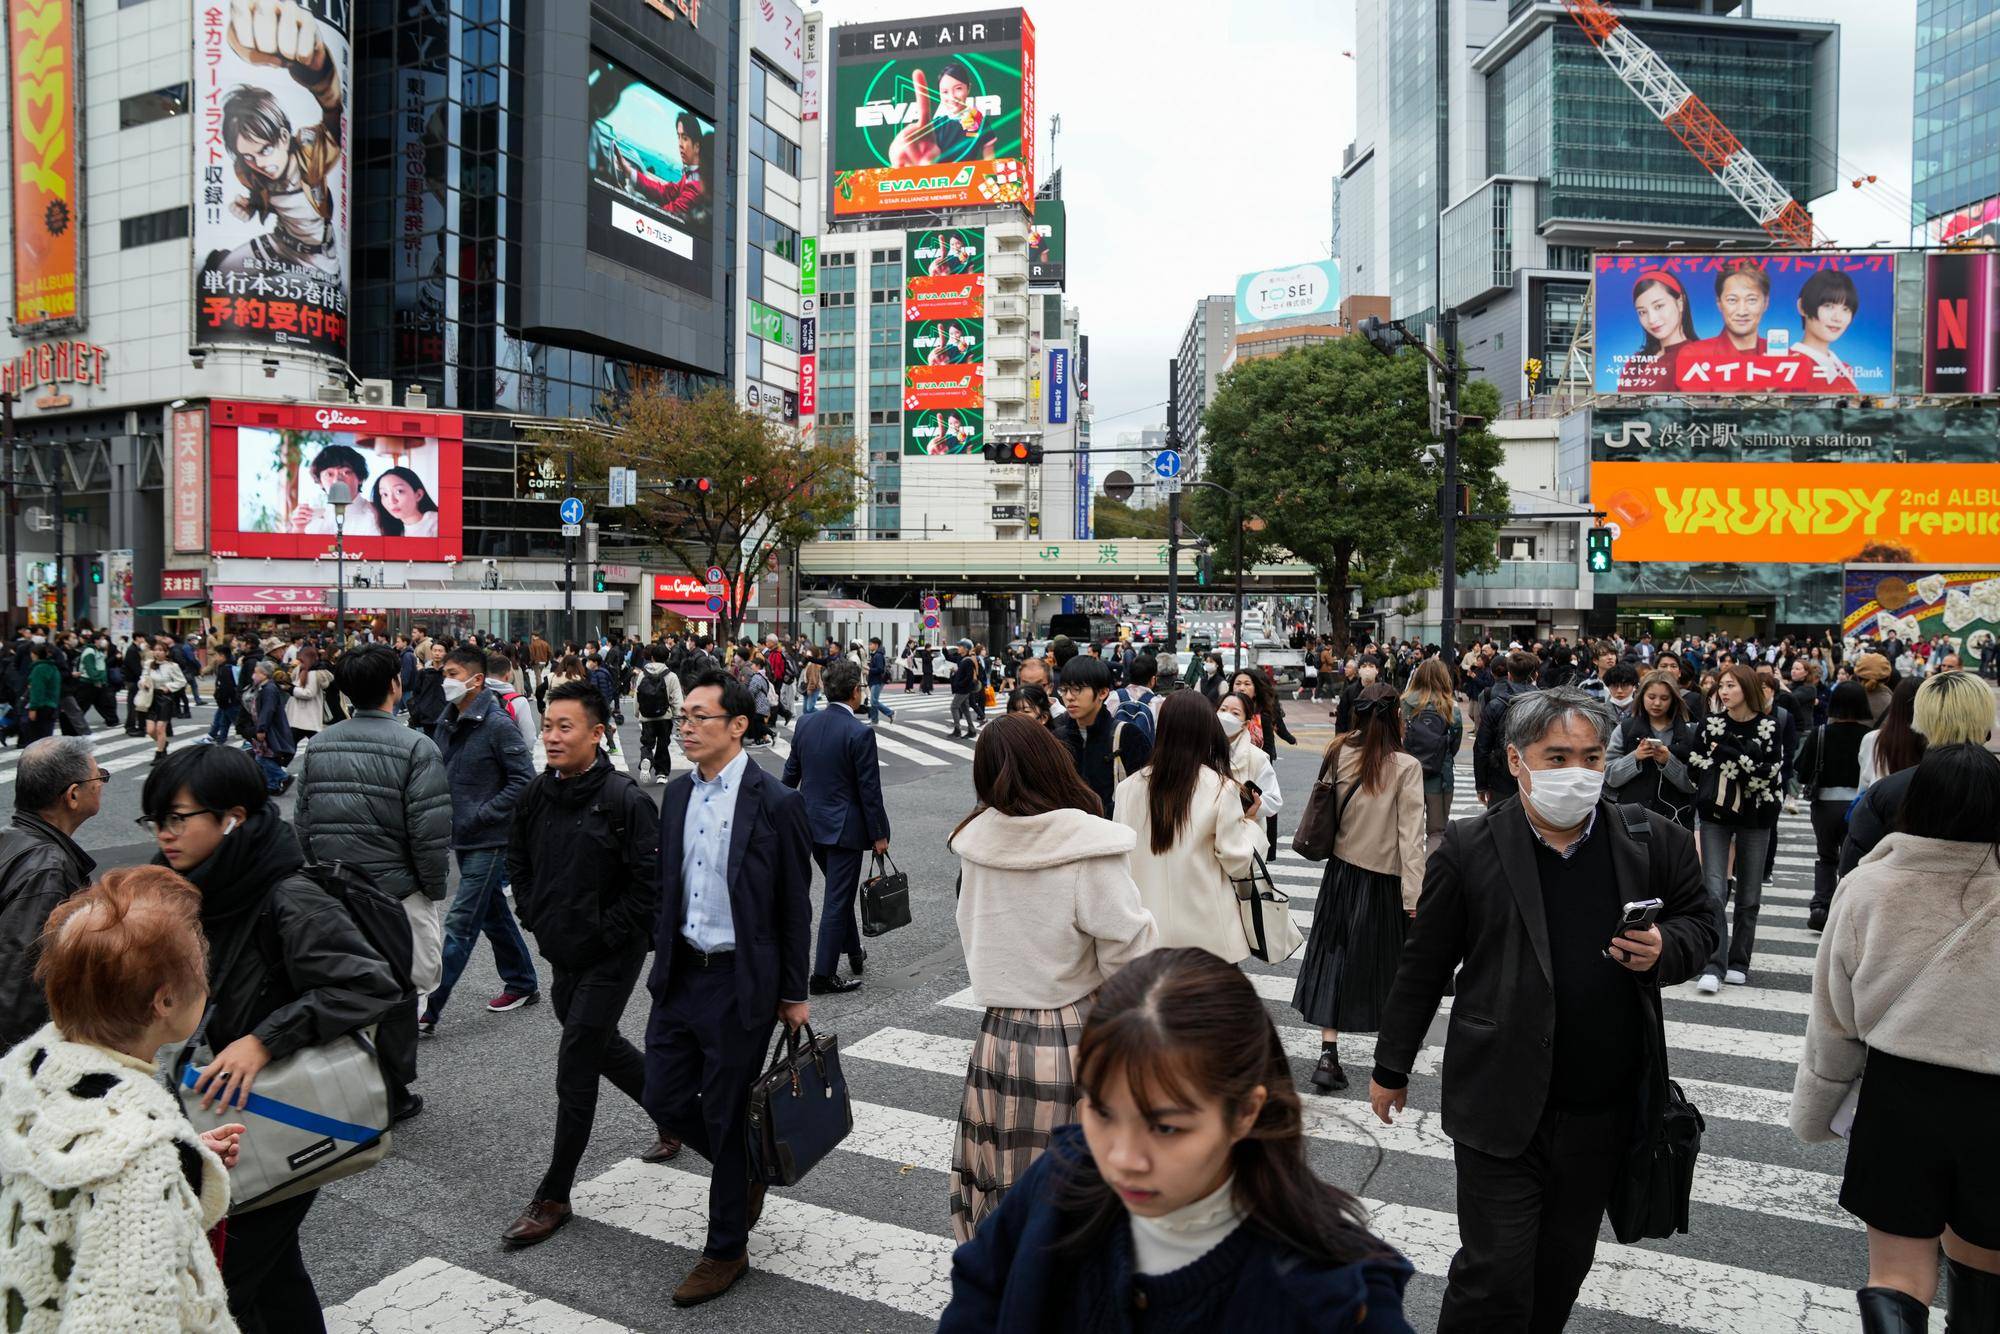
{"x": 1187, "y": 888}
{"x": 1383, "y": 830}
{"x": 1046, "y": 907}
{"x": 1894, "y": 911}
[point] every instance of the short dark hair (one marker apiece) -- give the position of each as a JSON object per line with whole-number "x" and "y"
{"x": 581, "y": 693}
{"x": 1743, "y": 268}
{"x": 365, "y": 674}
{"x": 472, "y": 659}
{"x": 1144, "y": 669}
{"x": 737, "y": 701}
{"x": 1088, "y": 672}
{"x": 1522, "y": 666}
{"x": 499, "y": 664}
{"x": 1828, "y": 287}
{"x": 1849, "y": 703}
{"x": 841, "y": 679}
{"x": 339, "y": 456}
{"x": 1621, "y": 674}
{"x": 1062, "y": 648}
{"x": 219, "y": 777}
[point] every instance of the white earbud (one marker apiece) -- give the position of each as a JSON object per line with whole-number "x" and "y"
{"x": 229, "y": 826}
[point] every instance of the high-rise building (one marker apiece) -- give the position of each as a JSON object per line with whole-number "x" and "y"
{"x": 1205, "y": 351}
{"x": 1955, "y": 153}
{"x": 1495, "y": 149}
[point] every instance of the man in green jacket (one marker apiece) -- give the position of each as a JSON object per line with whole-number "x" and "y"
{"x": 44, "y": 696}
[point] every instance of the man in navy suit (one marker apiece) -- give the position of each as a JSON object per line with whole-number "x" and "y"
{"x": 732, "y": 947}
{"x": 833, "y": 752}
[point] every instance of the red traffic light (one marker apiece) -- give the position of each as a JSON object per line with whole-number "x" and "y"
{"x": 701, "y": 484}
{"x": 1018, "y": 451}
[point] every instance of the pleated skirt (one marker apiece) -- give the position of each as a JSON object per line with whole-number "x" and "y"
{"x": 1351, "y": 952}
{"x": 1020, "y": 1085}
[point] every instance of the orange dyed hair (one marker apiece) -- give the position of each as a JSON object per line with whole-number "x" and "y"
{"x": 107, "y": 950}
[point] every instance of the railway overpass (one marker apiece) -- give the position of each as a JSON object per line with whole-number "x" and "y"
{"x": 884, "y": 571}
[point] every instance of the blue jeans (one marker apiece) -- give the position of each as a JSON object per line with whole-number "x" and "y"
{"x": 812, "y": 703}
{"x": 876, "y": 707}
{"x": 224, "y": 723}
{"x": 274, "y": 772}
{"x": 1733, "y": 947}
{"x": 480, "y": 906}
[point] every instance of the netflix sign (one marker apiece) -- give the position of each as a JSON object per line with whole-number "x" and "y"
{"x": 1961, "y": 322}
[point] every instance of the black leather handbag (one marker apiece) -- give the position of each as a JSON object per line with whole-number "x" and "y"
{"x": 799, "y": 1108}
{"x": 1649, "y": 1196}
{"x": 885, "y": 899}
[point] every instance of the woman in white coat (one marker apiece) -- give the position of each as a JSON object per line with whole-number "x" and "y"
{"x": 1249, "y": 763}
{"x": 306, "y": 709}
{"x": 1196, "y": 828}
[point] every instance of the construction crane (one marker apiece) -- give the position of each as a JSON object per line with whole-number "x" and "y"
{"x": 1653, "y": 81}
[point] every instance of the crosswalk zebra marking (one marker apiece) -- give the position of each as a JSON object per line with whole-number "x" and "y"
{"x": 433, "y": 1294}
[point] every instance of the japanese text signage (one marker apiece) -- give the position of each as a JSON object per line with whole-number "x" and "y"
{"x": 48, "y": 234}
{"x": 934, "y": 113}
{"x": 944, "y": 341}
{"x": 182, "y": 583}
{"x": 1793, "y": 324}
{"x": 773, "y": 326}
{"x": 190, "y": 473}
{"x": 780, "y": 34}
{"x": 1282, "y": 294}
{"x": 271, "y": 196}
{"x": 1058, "y": 386}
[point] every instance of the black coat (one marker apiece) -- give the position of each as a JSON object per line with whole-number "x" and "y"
{"x": 1873, "y": 817}
{"x": 40, "y": 866}
{"x": 427, "y": 699}
{"x": 1482, "y": 908}
{"x": 1489, "y": 752}
{"x": 1092, "y": 754}
{"x": 584, "y": 860}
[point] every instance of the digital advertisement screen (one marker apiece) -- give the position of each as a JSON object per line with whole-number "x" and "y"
{"x": 272, "y": 468}
{"x": 1746, "y": 324}
{"x": 1961, "y": 323}
{"x": 271, "y": 189}
{"x": 941, "y": 431}
{"x": 48, "y": 246}
{"x": 944, "y": 338}
{"x": 653, "y": 178}
{"x": 1920, "y": 601}
{"x": 1048, "y": 244}
{"x": 934, "y": 113}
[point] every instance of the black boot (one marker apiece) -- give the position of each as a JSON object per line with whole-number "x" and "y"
{"x": 1972, "y": 1299}
{"x": 1822, "y": 896}
{"x": 1327, "y": 1076}
{"x": 1887, "y": 1311}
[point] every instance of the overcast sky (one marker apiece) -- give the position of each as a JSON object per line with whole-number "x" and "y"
{"x": 1200, "y": 139}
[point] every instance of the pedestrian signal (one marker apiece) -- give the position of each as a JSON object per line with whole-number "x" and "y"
{"x": 597, "y": 581}
{"x": 97, "y": 572}
{"x": 1597, "y": 553}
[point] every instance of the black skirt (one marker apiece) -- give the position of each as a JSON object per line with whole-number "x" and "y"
{"x": 1920, "y": 1158}
{"x": 1351, "y": 953}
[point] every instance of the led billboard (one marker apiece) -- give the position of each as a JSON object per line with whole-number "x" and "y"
{"x": 271, "y": 189}
{"x": 1921, "y": 601}
{"x": 941, "y": 431}
{"x": 1746, "y": 324}
{"x": 1281, "y": 294}
{"x": 1962, "y": 322}
{"x": 652, "y": 178}
{"x": 1048, "y": 245}
{"x": 934, "y": 114}
{"x": 272, "y": 466}
{"x": 944, "y": 339}
{"x": 48, "y": 247}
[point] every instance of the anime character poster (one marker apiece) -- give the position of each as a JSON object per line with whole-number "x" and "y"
{"x": 273, "y": 87}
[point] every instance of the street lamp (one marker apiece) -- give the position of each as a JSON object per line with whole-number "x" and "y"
{"x": 340, "y": 495}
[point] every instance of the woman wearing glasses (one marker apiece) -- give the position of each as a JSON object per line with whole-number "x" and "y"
{"x": 288, "y": 969}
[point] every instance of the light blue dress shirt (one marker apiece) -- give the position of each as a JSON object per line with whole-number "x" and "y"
{"x": 706, "y": 920}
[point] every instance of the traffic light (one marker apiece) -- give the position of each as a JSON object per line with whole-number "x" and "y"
{"x": 1034, "y": 523}
{"x": 597, "y": 581}
{"x": 701, "y": 485}
{"x": 1012, "y": 451}
{"x": 1597, "y": 554}
{"x": 1204, "y": 564}
{"x": 97, "y": 572}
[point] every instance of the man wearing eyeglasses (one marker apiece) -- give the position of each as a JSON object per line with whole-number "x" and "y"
{"x": 733, "y": 946}
{"x": 57, "y": 787}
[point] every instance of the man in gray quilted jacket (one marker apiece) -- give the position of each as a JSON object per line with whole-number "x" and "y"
{"x": 373, "y": 794}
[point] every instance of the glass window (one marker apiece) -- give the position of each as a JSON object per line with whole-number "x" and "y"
{"x": 759, "y": 86}
{"x": 151, "y": 228}
{"x": 145, "y": 108}
{"x": 753, "y": 358}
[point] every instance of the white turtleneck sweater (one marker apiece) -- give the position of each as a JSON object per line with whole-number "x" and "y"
{"x": 1176, "y": 1240}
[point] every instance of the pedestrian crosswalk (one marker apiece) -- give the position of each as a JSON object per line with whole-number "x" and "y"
{"x": 1770, "y": 1250}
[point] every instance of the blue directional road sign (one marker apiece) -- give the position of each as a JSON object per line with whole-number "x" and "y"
{"x": 1167, "y": 463}
{"x": 572, "y": 510}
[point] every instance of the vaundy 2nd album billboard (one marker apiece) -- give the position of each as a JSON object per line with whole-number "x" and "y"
{"x": 42, "y": 68}
{"x": 1725, "y": 323}
{"x": 273, "y": 89}
{"x": 934, "y": 113}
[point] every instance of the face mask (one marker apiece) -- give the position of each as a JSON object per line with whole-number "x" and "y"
{"x": 1231, "y": 724}
{"x": 1564, "y": 797}
{"x": 38, "y": 639}
{"x": 454, "y": 690}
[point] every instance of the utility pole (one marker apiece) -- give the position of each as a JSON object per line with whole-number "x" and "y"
{"x": 569, "y": 556}
{"x": 1448, "y": 502}
{"x": 1173, "y": 513}
{"x": 62, "y": 575}
{"x": 7, "y": 468}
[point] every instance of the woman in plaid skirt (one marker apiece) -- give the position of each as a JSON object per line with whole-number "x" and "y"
{"x": 1046, "y": 911}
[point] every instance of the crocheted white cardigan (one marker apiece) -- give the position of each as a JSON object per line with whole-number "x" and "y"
{"x": 100, "y": 1228}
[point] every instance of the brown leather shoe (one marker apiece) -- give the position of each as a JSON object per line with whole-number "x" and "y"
{"x": 661, "y": 1152}
{"x": 757, "y": 1189}
{"x": 710, "y": 1279}
{"x": 538, "y": 1222}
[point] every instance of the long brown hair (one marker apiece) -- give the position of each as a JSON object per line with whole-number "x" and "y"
{"x": 1431, "y": 684}
{"x": 1189, "y": 740}
{"x": 1019, "y": 768}
{"x": 1181, "y": 1026}
{"x": 1898, "y": 743}
{"x": 1378, "y": 731}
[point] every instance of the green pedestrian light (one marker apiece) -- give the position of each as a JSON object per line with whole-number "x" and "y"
{"x": 1597, "y": 551}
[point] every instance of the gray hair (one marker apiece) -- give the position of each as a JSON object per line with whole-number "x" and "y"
{"x": 841, "y": 680}
{"x": 1533, "y": 715}
{"x": 48, "y": 768}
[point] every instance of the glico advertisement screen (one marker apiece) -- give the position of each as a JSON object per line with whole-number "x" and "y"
{"x": 273, "y": 467}
{"x": 1801, "y": 324}
{"x": 653, "y": 178}
{"x": 934, "y": 113}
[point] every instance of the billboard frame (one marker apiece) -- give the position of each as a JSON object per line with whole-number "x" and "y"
{"x": 79, "y": 219}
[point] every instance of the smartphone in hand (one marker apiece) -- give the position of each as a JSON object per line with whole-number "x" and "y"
{"x": 1637, "y": 916}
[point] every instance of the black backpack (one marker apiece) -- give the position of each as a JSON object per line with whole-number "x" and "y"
{"x": 652, "y": 694}
{"x": 1427, "y": 736}
{"x": 380, "y": 918}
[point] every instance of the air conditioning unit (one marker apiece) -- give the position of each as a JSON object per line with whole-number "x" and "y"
{"x": 376, "y": 394}
{"x": 415, "y": 398}
{"x": 333, "y": 391}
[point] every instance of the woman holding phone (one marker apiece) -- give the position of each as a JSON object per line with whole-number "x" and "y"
{"x": 1647, "y": 761}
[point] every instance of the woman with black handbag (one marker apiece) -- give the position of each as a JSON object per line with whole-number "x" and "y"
{"x": 288, "y": 970}
{"x": 1372, "y": 882}
{"x": 1829, "y": 769}
{"x": 1647, "y": 761}
{"x": 1046, "y": 911}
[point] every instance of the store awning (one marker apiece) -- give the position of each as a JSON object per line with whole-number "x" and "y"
{"x": 170, "y": 606}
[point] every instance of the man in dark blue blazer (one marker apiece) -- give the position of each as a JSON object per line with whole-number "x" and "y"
{"x": 833, "y": 764}
{"x": 732, "y": 947}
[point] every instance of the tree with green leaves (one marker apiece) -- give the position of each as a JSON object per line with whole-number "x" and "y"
{"x": 1327, "y": 444}
{"x": 766, "y": 488}
{"x": 1116, "y": 518}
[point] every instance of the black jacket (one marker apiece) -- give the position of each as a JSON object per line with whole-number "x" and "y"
{"x": 40, "y": 866}
{"x": 374, "y": 793}
{"x": 305, "y": 974}
{"x": 1831, "y": 757}
{"x": 1482, "y": 908}
{"x": 226, "y": 692}
{"x": 1873, "y": 817}
{"x": 1101, "y": 770}
{"x": 964, "y": 675}
{"x": 1489, "y": 753}
{"x": 584, "y": 860}
{"x": 427, "y": 703}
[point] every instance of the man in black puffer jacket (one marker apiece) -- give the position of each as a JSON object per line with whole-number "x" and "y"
{"x": 1491, "y": 777}
{"x": 584, "y": 861}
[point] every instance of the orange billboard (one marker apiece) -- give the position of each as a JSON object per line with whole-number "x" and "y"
{"x": 41, "y": 49}
{"x": 1806, "y": 513}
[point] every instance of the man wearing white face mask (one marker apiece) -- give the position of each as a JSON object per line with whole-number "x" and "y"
{"x": 1556, "y": 1048}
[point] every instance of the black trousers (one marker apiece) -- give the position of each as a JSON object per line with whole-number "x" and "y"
{"x": 106, "y": 700}
{"x": 839, "y": 933}
{"x": 700, "y": 1063}
{"x": 1829, "y": 826}
{"x": 588, "y": 1003}
{"x": 1527, "y": 1226}
{"x": 270, "y": 1291}
{"x": 654, "y": 737}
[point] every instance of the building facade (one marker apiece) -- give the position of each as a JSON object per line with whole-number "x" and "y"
{"x": 1205, "y": 353}
{"x": 1955, "y": 150}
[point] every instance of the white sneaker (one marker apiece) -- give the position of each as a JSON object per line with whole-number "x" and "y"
{"x": 1709, "y": 984}
{"x": 1736, "y": 977}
